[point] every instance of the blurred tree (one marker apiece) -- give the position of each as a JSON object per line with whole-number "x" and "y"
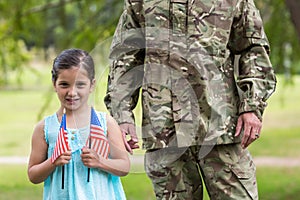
{"x": 59, "y": 24}
{"x": 62, "y": 24}
{"x": 282, "y": 35}
{"x": 294, "y": 7}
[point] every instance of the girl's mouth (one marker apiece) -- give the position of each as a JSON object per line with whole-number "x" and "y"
{"x": 72, "y": 101}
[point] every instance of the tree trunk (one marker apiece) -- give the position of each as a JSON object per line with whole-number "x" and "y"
{"x": 294, "y": 7}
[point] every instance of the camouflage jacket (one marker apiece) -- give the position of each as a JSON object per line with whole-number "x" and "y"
{"x": 200, "y": 63}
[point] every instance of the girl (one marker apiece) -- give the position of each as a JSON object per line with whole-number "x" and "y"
{"x": 80, "y": 172}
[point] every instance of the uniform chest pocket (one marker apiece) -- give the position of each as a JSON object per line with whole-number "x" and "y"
{"x": 206, "y": 19}
{"x": 179, "y": 16}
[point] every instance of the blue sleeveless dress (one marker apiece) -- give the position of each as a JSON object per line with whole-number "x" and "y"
{"x": 101, "y": 185}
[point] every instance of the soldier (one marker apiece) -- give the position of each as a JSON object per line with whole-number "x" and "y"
{"x": 205, "y": 74}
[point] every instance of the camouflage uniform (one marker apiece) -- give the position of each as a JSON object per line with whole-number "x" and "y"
{"x": 200, "y": 63}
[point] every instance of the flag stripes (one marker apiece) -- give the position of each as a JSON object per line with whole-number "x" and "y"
{"x": 61, "y": 144}
{"x": 97, "y": 139}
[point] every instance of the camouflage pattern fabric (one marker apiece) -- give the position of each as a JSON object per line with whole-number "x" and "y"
{"x": 199, "y": 63}
{"x": 176, "y": 174}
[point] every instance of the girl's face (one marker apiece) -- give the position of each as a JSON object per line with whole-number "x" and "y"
{"x": 73, "y": 88}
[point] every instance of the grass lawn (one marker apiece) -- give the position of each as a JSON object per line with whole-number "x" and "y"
{"x": 277, "y": 183}
{"x": 137, "y": 186}
{"x": 274, "y": 184}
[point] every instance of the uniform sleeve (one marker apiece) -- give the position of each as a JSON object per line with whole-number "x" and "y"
{"x": 126, "y": 70}
{"x": 255, "y": 80}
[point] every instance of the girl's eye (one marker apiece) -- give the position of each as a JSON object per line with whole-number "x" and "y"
{"x": 64, "y": 85}
{"x": 81, "y": 84}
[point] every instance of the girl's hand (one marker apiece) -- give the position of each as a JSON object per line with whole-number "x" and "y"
{"x": 63, "y": 159}
{"x": 90, "y": 158}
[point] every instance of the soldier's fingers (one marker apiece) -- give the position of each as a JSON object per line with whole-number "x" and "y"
{"x": 238, "y": 127}
{"x": 247, "y": 133}
{"x": 127, "y": 146}
{"x": 133, "y": 144}
{"x": 252, "y": 137}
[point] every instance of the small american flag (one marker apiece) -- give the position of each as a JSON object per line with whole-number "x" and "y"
{"x": 97, "y": 139}
{"x": 62, "y": 144}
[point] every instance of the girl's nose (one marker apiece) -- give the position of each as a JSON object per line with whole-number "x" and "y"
{"x": 72, "y": 91}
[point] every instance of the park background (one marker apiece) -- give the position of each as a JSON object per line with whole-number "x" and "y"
{"x": 32, "y": 32}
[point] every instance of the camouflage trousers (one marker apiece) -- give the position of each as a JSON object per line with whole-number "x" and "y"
{"x": 227, "y": 171}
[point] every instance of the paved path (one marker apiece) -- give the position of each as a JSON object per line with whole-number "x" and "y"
{"x": 138, "y": 160}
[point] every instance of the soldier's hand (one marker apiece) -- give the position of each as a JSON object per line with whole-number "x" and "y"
{"x": 251, "y": 125}
{"x": 132, "y": 143}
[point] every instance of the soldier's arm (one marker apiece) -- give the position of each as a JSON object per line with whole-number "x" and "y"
{"x": 256, "y": 80}
{"x": 126, "y": 71}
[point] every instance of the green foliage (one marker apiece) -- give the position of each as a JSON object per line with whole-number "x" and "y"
{"x": 14, "y": 55}
{"x": 66, "y": 23}
{"x": 58, "y": 24}
{"x": 281, "y": 32}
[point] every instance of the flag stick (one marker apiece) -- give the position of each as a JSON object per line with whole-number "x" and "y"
{"x": 63, "y": 167}
{"x": 89, "y": 169}
{"x": 88, "y": 176}
{"x": 63, "y": 177}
